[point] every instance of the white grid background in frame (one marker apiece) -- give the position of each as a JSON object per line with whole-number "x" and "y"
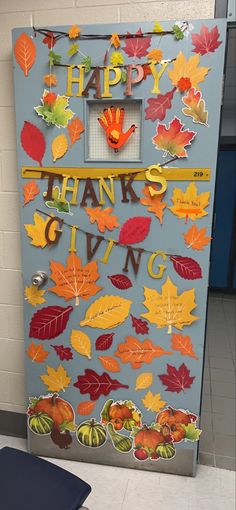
{"x": 98, "y": 149}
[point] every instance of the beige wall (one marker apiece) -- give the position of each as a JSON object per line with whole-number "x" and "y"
{"x": 17, "y": 13}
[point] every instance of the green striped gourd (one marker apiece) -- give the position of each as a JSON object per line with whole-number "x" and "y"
{"x": 91, "y": 433}
{"x": 121, "y": 443}
{"x": 166, "y": 451}
{"x": 41, "y": 423}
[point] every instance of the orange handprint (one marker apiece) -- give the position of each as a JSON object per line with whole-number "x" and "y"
{"x": 111, "y": 120}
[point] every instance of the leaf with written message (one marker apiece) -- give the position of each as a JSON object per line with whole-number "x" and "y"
{"x": 157, "y": 106}
{"x": 30, "y": 190}
{"x": 173, "y": 139}
{"x": 154, "y": 203}
{"x": 207, "y": 41}
{"x": 153, "y": 402}
{"x": 188, "y": 204}
{"x": 102, "y": 217}
{"x": 56, "y": 379}
{"x": 137, "y": 46}
{"x": 177, "y": 380}
{"x": 49, "y": 322}
{"x": 196, "y": 238}
{"x": 183, "y": 344}
{"x": 107, "y": 312}
{"x": 37, "y": 353}
{"x": 96, "y": 385}
{"x": 137, "y": 352}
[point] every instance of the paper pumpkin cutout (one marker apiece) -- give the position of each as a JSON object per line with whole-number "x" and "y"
{"x": 25, "y": 52}
{"x": 37, "y": 353}
{"x": 111, "y": 121}
{"x": 177, "y": 380}
{"x": 81, "y": 343}
{"x": 196, "y": 107}
{"x": 56, "y": 379}
{"x": 57, "y": 112}
{"x": 173, "y": 139}
{"x": 59, "y": 147}
{"x": 196, "y": 238}
{"x": 96, "y": 385}
{"x": 33, "y": 142}
{"x": 183, "y": 68}
{"x": 157, "y": 106}
{"x": 103, "y": 218}
{"x": 168, "y": 308}
{"x": 188, "y": 204}
{"x": 34, "y": 295}
{"x": 207, "y": 41}
{"x": 153, "y": 402}
{"x": 143, "y": 381}
{"x": 30, "y": 191}
{"x": 107, "y": 312}
{"x": 136, "y": 352}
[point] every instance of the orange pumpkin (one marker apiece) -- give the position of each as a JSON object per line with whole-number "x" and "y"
{"x": 58, "y": 409}
{"x": 177, "y": 432}
{"x": 148, "y": 438}
{"x": 120, "y": 411}
{"x": 172, "y": 416}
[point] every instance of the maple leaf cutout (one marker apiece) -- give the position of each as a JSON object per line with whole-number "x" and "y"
{"x": 136, "y": 352}
{"x": 168, "y": 308}
{"x": 207, "y": 41}
{"x": 103, "y": 218}
{"x": 174, "y": 138}
{"x": 154, "y": 202}
{"x": 196, "y": 238}
{"x": 37, "y": 353}
{"x": 188, "y": 204}
{"x": 74, "y": 280}
{"x": 137, "y": 46}
{"x": 177, "y": 380}
{"x": 30, "y": 191}
{"x": 183, "y": 68}
{"x": 56, "y": 379}
{"x": 196, "y": 107}
{"x": 153, "y": 402}
{"x": 34, "y": 295}
{"x": 183, "y": 344}
{"x": 37, "y": 230}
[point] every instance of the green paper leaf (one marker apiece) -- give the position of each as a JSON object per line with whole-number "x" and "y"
{"x": 87, "y": 62}
{"x": 123, "y": 76}
{"x": 56, "y": 113}
{"x": 192, "y": 433}
{"x": 73, "y": 49}
{"x": 67, "y": 426}
{"x": 178, "y": 34}
{"x": 54, "y": 58}
{"x": 62, "y": 207}
{"x": 116, "y": 58}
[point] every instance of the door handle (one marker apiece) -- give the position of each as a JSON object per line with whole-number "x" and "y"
{"x": 39, "y": 278}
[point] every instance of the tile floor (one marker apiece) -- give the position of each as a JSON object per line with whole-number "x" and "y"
{"x": 217, "y": 445}
{"x": 127, "y": 489}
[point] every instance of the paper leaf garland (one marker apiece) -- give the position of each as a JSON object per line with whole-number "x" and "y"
{"x": 168, "y": 308}
{"x": 188, "y": 204}
{"x": 120, "y": 281}
{"x": 143, "y": 381}
{"x": 207, "y": 41}
{"x": 136, "y": 352}
{"x": 157, "y": 27}
{"x": 183, "y": 344}
{"x": 155, "y": 204}
{"x": 134, "y": 230}
{"x": 183, "y": 68}
{"x": 25, "y": 52}
{"x": 102, "y": 217}
{"x": 173, "y": 139}
{"x": 30, "y": 191}
{"x": 116, "y": 58}
{"x": 136, "y": 46}
{"x": 74, "y": 32}
{"x": 59, "y": 147}
{"x": 140, "y": 326}
{"x": 177, "y": 380}
{"x": 196, "y": 238}
{"x": 75, "y": 128}
{"x": 155, "y": 55}
{"x": 37, "y": 353}
{"x": 153, "y": 402}
{"x": 109, "y": 363}
{"x": 50, "y": 40}
{"x": 64, "y": 353}
{"x": 96, "y": 385}
{"x": 81, "y": 343}
{"x": 107, "y": 312}
{"x": 33, "y": 142}
{"x": 104, "y": 342}
{"x": 34, "y": 295}
{"x": 56, "y": 379}
{"x": 37, "y": 230}
{"x": 186, "y": 267}
{"x": 55, "y": 113}
{"x": 157, "y": 106}
{"x": 74, "y": 280}
{"x": 196, "y": 107}
{"x": 50, "y": 80}
{"x": 86, "y": 408}
{"x": 49, "y": 322}
{"x": 73, "y": 49}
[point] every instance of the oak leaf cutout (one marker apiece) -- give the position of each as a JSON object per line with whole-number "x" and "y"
{"x": 153, "y": 402}
{"x": 168, "y": 308}
{"x": 196, "y": 107}
{"x": 157, "y": 106}
{"x": 64, "y": 353}
{"x": 34, "y": 295}
{"x": 102, "y": 217}
{"x": 183, "y": 344}
{"x": 81, "y": 343}
{"x": 141, "y": 327}
{"x": 207, "y": 41}
{"x": 143, "y": 381}
{"x": 177, "y": 379}
{"x": 30, "y": 191}
{"x": 37, "y": 230}
{"x": 188, "y": 204}
{"x": 183, "y": 68}
{"x": 96, "y": 385}
{"x": 174, "y": 138}
{"x": 137, "y": 352}
{"x": 137, "y": 46}
{"x": 196, "y": 238}
{"x": 107, "y": 312}
{"x": 75, "y": 128}
{"x": 154, "y": 203}
{"x": 25, "y": 52}
{"x": 74, "y": 280}
{"x": 59, "y": 147}
{"x": 109, "y": 363}
{"x": 56, "y": 379}
{"x": 86, "y": 408}
{"x": 37, "y": 353}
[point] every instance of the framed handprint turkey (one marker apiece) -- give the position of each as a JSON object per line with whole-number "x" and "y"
{"x": 117, "y": 133}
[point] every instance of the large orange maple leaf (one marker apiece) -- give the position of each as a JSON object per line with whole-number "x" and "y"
{"x": 74, "y": 280}
{"x": 174, "y": 138}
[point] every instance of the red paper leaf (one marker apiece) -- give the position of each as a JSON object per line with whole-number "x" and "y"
{"x": 157, "y": 106}
{"x": 134, "y": 230}
{"x": 97, "y": 385}
{"x": 186, "y": 267}
{"x": 64, "y": 353}
{"x": 146, "y": 71}
{"x": 50, "y": 40}
{"x": 174, "y": 138}
{"x": 104, "y": 342}
{"x": 33, "y": 142}
{"x": 137, "y": 46}
{"x": 177, "y": 380}
{"x": 120, "y": 281}
{"x": 49, "y": 322}
{"x": 140, "y": 326}
{"x": 207, "y": 41}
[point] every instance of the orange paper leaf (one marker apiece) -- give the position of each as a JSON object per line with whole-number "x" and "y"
{"x": 50, "y": 80}
{"x": 196, "y": 238}
{"x": 109, "y": 363}
{"x": 103, "y": 218}
{"x": 183, "y": 344}
{"x": 155, "y": 55}
{"x": 25, "y": 52}
{"x": 188, "y": 204}
{"x": 75, "y": 128}
{"x": 74, "y": 280}
{"x": 115, "y": 40}
{"x": 37, "y": 353}
{"x": 86, "y": 408}
{"x": 154, "y": 203}
{"x": 30, "y": 191}
{"x": 136, "y": 352}
{"x": 174, "y": 138}
{"x": 74, "y": 32}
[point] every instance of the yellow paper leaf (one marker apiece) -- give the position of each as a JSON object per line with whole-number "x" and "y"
{"x": 56, "y": 379}
{"x": 188, "y": 204}
{"x": 183, "y": 68}
{"x": 153, "y": 402}
{"x": 144, "y": 380}
{"x": 37, "y": 231}
{"x": 81, "y": 343}
{"x": 157, "y": 27}
{"x": 169, "y": 309}
{"x": 107, "y": 312}
{"x": 34, "y": 295}
{"x": 59, "y": 147}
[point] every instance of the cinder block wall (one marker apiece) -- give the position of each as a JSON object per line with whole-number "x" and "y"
{"x": 21, "y": 13}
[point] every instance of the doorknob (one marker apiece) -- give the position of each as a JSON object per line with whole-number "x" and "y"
{"x": 39, "y": 278}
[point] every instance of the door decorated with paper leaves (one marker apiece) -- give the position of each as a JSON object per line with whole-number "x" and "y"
{"x": 117, "y": 133}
